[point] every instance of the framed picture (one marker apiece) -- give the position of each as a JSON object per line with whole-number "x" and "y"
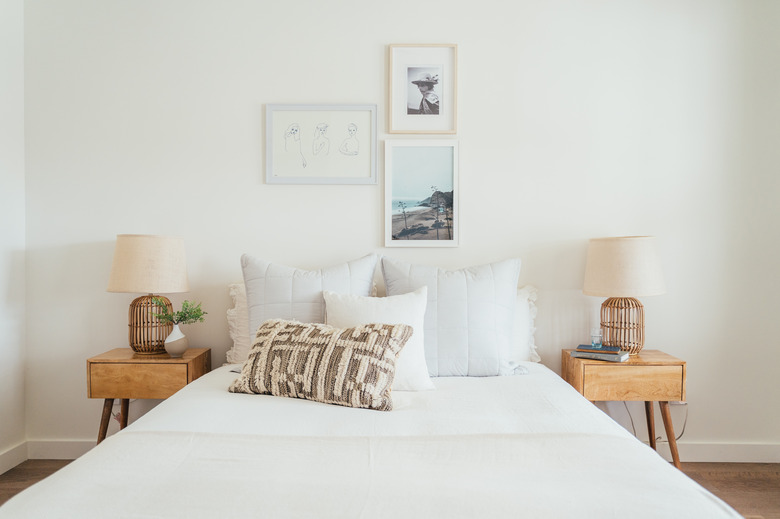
{"x": 421, "y": 193}
{"x": 423, "y": 88}
{"x": 320, "y": 144}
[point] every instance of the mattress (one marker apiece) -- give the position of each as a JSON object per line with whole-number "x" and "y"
{"x": 516, "y": 446}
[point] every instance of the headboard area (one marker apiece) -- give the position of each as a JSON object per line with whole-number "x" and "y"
{"x": 477, "y": 308}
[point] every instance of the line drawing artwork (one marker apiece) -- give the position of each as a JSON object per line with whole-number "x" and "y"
{"x": 350, "y": 145}
{"x": 321, "y": 144}
{"x": 292, "y": 141}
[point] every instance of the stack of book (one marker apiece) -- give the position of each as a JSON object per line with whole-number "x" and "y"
{"x": 608, "y": 353}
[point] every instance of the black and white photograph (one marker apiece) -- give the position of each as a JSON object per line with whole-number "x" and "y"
{"x": 423, "y": 88}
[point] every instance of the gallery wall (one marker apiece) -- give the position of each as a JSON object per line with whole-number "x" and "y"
{"x": 576, "y": 120}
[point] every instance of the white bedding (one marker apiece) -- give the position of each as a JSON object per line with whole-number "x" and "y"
{"x": 518, "y": 446}
{"x": 539, "y": 402}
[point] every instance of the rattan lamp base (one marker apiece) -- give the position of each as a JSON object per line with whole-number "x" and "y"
{"x": 147, "y": 333}
{"x": 623, "y": 323}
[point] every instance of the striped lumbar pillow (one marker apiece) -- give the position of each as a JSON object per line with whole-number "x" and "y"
{"x": 353, "y": 366}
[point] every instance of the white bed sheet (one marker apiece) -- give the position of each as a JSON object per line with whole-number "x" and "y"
{"x": 538, "y": 402}
{"x": 523, "y": 446}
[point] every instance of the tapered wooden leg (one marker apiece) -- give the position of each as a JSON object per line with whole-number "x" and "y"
{"x": 108, "y": 404}
{"x": 667, "y": 416}
{"x": 123, "y": 416}
{"x": 650, "y": 423}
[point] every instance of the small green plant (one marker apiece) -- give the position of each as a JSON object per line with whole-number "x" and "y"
{"x": 189, "y": 313}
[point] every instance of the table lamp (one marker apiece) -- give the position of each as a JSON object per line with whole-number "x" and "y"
{"x": 148, "y": 265}
{"x": 623, "y": 269}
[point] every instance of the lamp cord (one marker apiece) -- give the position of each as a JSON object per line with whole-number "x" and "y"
{"x": 633, "y": 428}
{"x": 658, "y": 438}
{"x": 118, "y": 415}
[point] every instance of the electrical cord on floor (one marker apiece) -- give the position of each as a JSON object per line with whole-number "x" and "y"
{"x": 659, "y": 438}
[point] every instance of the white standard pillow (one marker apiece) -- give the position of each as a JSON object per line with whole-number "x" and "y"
{"x": 348, "y": 310}
{"x": 469, "y": 320}
{"x": 280, "y": 292}
{"x": 524, "y": 348}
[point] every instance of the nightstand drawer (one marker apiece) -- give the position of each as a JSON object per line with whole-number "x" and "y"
{"x": 136, "y": 380}
{"x": 651, "y": 376}
{"x": 645, "y": 383}
{"x": 121, "y": 373}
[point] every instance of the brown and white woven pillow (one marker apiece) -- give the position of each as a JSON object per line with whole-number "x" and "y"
{"x": 353, "y": 366}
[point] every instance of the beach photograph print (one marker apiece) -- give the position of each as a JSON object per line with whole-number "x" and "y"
{"x": 311, "y": 144}
{"x": 424, "y": 90}
{"x": 421, "y": 193}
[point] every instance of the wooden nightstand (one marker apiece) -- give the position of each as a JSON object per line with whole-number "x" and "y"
{"x": 651, "y": 376}
{"x": 121, "y": 373}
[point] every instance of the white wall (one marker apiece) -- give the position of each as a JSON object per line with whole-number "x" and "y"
{"x": 12, "y": 367}
{"x": 577, "y": 120}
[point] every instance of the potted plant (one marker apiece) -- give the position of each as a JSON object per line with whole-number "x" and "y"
{"x": 176, "y": 343}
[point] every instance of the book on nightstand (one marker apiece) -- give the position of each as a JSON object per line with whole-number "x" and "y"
{"x": 610, "y": 357}
{"x": 614, "y": 350}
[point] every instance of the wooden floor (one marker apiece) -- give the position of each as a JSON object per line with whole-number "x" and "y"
{"x": 25, "y": 474}
{"x": 753, "y": 489}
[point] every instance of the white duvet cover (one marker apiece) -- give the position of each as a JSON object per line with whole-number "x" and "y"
{"x": 519, "y": 446}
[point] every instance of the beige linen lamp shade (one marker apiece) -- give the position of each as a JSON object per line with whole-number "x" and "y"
{"x": 149, "y": 265}
{"x": 623, "y": 269}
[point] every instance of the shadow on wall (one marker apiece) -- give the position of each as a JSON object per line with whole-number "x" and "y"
{"x": 565, "y": 315}
{"x": 68, "y": 285}
{"x": 13, "y": 280}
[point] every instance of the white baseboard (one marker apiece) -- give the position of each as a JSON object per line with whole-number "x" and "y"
{"x": 43, "y": 450}
{"x": 691, "y": 451}
{"x": 58, "y": 449}
{"x": 726, "y": 452}
{"x": 12, "y": 457}
{"x": 721, "y": 452}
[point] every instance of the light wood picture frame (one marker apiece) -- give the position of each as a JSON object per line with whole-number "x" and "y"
{"x": 423, "y": 90}
{"x": 421, "y": 193}
{"x": 321, "y": 144}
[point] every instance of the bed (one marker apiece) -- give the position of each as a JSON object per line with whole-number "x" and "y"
{"x": 520, "y": 443}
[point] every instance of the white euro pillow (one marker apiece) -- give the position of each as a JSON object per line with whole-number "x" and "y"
{"x": 348, "y": 310}
{"x": 470, "y": 316}
{"x": 524, "y": 348}
{"x": 276, "y": 291}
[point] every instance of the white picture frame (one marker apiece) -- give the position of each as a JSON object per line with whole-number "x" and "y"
{"x": 421, "y": 193}
{"x": 320, "y": 144}
{"x": 423, "y": 91}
